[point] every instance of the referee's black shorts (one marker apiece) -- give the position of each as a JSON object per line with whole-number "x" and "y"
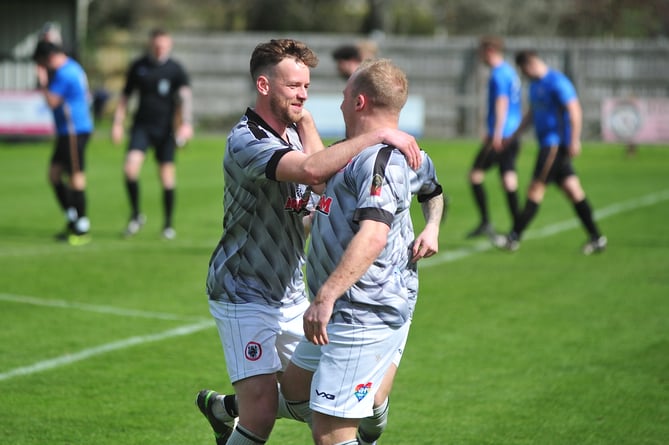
{"x": 160, "y": 138}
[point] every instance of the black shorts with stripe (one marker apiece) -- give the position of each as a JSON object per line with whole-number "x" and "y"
{"x": 553, "y": 165}
{"x": 487, "y": 157}
{"x": 70, "y": 152}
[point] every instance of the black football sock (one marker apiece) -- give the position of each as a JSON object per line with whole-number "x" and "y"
{"x": 525, "y": 217}
{"x": 62, "y": 195}
{"x": 132, "y": 187}
{"x": 480, "y": 200}
{"x": 81, "y": 225}
{"x": 512, "y": 200}
{"x": 79, "y": 202}
{"x": 168, "y": 205}
{"x": 584, "y": 213}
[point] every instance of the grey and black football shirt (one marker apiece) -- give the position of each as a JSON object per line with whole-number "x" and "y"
{"x": 425, "y": 186}
{"x": 424, "y": 182}
{"x": 261, "y": 253}
{"x": 375, "y": 185}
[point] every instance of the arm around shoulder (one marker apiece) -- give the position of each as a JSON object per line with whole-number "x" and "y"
{"x": 318, "y": 167}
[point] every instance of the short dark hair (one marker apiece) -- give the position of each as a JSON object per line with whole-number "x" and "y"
{"x": 44, "y": 49}
{"x": 524, "y": 56}
{"x": 347, "y": 52}
{"x": 494, "y": 43}
{"x": 158, "y": 32}
{"x": 269, "y": 54}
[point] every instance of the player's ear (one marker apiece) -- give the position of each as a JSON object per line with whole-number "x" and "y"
{"x": 360, "y": 102}
{"x": 262, "y": 85}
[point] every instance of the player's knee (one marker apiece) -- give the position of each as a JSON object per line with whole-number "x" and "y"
{"x": 536, "y": 192}
{"x": 476, "y": 176}
{"x": 572, "y": 188}
{"x": 575, "y": 195}
{"x": 130, "y": 170}
{"x": 78, "y": 181}
{"x": 510, "y": 181}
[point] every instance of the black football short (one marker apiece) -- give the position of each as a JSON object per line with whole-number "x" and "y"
{"x": 487, "y": 157}
{"x": 70, "y": 152}
{"x": 553, "y": 165}
{"x": 161, "y": 139}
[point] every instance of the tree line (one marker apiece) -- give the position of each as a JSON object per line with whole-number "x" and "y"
{"x": 540, "y": 18}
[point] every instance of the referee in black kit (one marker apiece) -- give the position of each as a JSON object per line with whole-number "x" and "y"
{"x": 163, "y": 87}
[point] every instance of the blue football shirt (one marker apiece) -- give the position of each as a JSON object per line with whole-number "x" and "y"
{"x": 504, "y": 82}
{"x": 73, "y": 114}
{"x": 548, "y": 99}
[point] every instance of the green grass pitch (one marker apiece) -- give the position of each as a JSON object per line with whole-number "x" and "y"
{"x": 109, "y": 343}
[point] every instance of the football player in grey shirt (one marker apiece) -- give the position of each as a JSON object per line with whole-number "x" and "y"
{"x": 255, "y": 284}
{"x": 426, "y": 187}
{"x": 358, "y": 269}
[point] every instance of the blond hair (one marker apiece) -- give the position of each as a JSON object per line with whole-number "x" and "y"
{"x": 383, "y": 82}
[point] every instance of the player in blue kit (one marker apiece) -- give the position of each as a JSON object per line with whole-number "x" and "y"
{"x": 255, "y": 284}
{"x": 556, "y": 114}
{"x": 65, "y": 87}
{"x": 504, "y": 116}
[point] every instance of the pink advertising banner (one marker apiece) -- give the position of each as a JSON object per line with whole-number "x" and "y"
{"x": 635, "y": 120}
{"x": 25, "y": 113}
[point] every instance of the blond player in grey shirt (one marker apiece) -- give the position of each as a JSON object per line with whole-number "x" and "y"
{"x": 358, "y": 262}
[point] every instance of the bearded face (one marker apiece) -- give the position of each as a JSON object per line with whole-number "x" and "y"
{"x": 288, "y": 90}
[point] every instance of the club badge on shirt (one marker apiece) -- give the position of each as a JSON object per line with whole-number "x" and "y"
{"x": 377, "y": 184}
{"x": 164, "y": 87}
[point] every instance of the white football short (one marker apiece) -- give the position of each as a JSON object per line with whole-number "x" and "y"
{"x": 257, "y": 339}
{"x": 307, "y": 355}
{"x": 398, "y": 354}
{"x": 351, "y": 368}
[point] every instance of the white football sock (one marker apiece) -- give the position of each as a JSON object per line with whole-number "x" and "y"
{"x": 299, "y": 411}
{"x": 371, "y": 428}
{"x": 219, "y": 410}
{"x": 241, "y": 436}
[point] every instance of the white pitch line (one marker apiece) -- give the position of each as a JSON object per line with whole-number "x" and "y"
{"x": 450, "y": 256}
{"x": 102, "y": 349}
{"x": 552, "y": 229}
{"x": 56, "y": 248}
{"x": 110, "y": 310}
